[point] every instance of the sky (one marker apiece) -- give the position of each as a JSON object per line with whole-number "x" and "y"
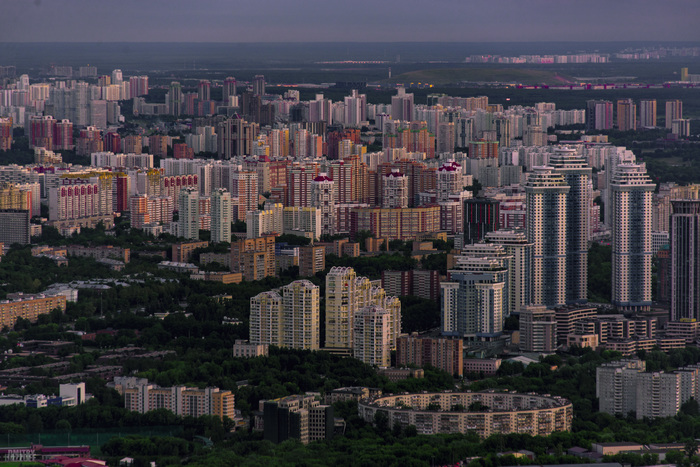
{"x": 348, "y": 21}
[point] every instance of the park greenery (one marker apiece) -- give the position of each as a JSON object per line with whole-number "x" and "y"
{"x": 198, "y": 332}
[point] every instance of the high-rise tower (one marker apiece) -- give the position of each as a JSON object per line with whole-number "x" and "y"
{"x": 516, "y": 245}
{"x": 221, "y": 216}
{"x": 626, "y": 115}
{"x": 345, "y": 295}
{"x": 402, "y": 105}
{"x": 323, "y": 198}
{"x": 175, "y": 99}
{"x": 259, "y": 85}
{"x": 647, "y": 113}
{"x": 632, "y": 191}
{"x": 204, "y": 90}
{"x": 395, "y": 190}
{"x": 546, "y": 196}
{"x": 481, "y": 215}
{"x": 685, "y": 259}
{"x": 577, "y": 174}
{"x": 189, "y": 213}
{"x": 229, "y": 89}
{"x": 674, "y": 111}
{"x": 599, "y": 115}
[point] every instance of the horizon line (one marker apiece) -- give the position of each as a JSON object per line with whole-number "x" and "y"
{"x": 360, "y": 42}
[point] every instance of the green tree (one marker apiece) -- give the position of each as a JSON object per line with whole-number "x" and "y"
{"x": 63, "y": 425}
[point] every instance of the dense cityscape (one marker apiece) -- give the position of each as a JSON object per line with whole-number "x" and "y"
{"x": 203, "y": 270}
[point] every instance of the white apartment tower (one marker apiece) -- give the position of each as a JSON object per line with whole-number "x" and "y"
{"x": 323, "y": 198}
{"x": 473, "y": 302}
{"x": 612, "y": 160}
{"x": 577, "y": 174}
{"x": 658, "y": 394}
{"x": 632, "y": 191}
{"x": 395, "y": 190}
{"x": 266, "y": 315}
{"x": 372, "y": 336}
{"x": 450, "y": 181}
{"x": 221, "y": 216}
{"x": 546, "y": 196}
{"x": 674, "y": 111}
{"x": 616, "y": 386}
{"x": 402, "y": 105}
{"x": 516, "y": 245}
{"x": 354, "y": 108}
{"x": 287, "y": 317}
{"x": 189, "y": 213}
{"x": 301, "y": 318}
{"x": 346, "y": 294}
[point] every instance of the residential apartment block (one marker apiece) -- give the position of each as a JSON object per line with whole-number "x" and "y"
{"x": 624, "y": 386}
{"x": 439, "y": 352}
{"x": 254, "y": 257}
{"x": 287, "y": 317}
{"x": 142, "y": 397}
{"x": 299, "y": 417}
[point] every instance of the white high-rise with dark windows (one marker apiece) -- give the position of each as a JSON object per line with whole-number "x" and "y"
{"x": 323, "y": 198}
{"x": 631, "y": 193}
{"x": 189, "y": 213}
{"x": 577, "y": 174}
{"x": 546, "y": 194}
{"x": 221, "y": 216}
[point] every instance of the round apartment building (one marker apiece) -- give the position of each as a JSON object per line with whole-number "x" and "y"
{"x": 491, "y": 412}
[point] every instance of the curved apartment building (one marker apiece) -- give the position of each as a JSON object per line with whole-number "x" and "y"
{"x": 447, "y": 412}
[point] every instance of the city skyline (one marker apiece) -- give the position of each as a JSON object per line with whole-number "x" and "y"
{"x": 274, "y": 20}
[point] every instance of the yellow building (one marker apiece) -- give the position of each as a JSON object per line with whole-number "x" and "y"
{"x": 254, "y": 257}
{"x": 287, "y": 317}
{"x": 14, "y": 197}
{"x": 29, "y": 308}
{"x": 346, "y": 294}
{"x": 396, "y": 223}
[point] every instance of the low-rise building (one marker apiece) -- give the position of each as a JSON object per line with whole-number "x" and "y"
{"x": 141, "y": 396}
{"x": 487, "y": 366}
{"x": 244, "y": 349}
{"x": 182, "y": 252}
{"x": 354, "y": 393}
{"x": 398, "y": 374}
{"x": 300, "y": 417}
{"x": 223, "y": 277}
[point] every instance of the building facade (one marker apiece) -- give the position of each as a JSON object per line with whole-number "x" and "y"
{"x": 432, "y": 413}
{"x": 577, "y": 175}
{"x": 287, "y": 317}
{"x": 685, "y": 260}
{"x": 632, "y": 192}
{"x": 546, "y": 194}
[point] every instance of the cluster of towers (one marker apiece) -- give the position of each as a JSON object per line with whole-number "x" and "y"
{"x": 547, "y": 263}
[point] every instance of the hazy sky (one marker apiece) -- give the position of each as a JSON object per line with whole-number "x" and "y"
{"x": 350, "y": 20}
